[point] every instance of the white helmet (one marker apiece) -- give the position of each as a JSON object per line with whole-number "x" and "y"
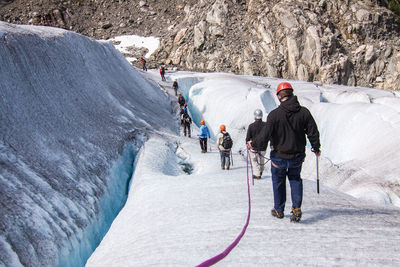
{"x": 258, "y": 114}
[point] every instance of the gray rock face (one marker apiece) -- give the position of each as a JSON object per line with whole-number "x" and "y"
{"x": 330, "y": 41}
{"x": 337, "y": 42}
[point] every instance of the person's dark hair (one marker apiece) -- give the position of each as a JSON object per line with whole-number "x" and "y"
{"x": 285, "y": 93}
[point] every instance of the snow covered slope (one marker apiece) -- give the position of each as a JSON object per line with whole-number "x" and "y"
{"x": 73, "y": 112}
{"x": 175, "y": 219}
{"x": 359, "y": 127}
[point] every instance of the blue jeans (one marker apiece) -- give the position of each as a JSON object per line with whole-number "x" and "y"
{"x": 280, "y": 168}
{"x": 225, "y": 158}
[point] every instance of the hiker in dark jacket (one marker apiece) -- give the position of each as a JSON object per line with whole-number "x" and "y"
{"x": 162, "y": 72}
{"x": 143, "y": 64}
{"x": 175, "y": 86}
{"x": 186, "y": 120}
{"x": 184, "y": 111}
{"x": 287, "y": 127}
{"x": 181, "y": 101}
{"x": 257, "y": 154}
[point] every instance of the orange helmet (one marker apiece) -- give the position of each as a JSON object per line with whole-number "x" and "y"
{"x": 202, "y": 122}
{"x": 180, "y": 94}
{"x": 283, "y": 86}
{"x": 222, "y": 127}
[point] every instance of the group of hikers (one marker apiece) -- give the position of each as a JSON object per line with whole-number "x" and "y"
{"x": 224, "y": 141}
{"x": 285, "y": 130}
{"x": 162, "y": 68}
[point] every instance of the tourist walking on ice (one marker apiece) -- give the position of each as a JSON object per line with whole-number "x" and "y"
{"x": 175, "y": 86}
{"x": 204, "y": 134}
{"x": 181, "y": 101}
{"x": 143, "y": 64}
{"x": 257, "y": 154}
{"x": 287, "y": 127}
{"x": 186, "y": 120}
{"x": 162, "y": 72}
{"x": 184, "y": 111}
{"x": 224, "y": 145}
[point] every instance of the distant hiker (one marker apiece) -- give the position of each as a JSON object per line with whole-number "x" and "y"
{"x": 287, "y": 127}
{"x": 224, "y": 145}
{"x": 184, "y": 111}
{"x": 181, "y": 101}
{"x": 143, "y": 64}
{"x": 175, "y": 86}
{"x": 257, "y": 154}
{"x": 204, "y": 134}
{"x": 162, "y": 72}
{"x": 186, "y": 121}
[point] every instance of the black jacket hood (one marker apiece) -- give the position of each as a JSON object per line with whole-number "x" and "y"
{"x": 291, "y": 105}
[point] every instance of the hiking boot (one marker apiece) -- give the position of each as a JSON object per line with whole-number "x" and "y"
{"x": 203, "y": 151}
{"x": 296, "y": 215}
{"x": 227, "y": 166}
{"x": 256, "y": 177}
{"x": 223, "y": 167}
{"x": 277, "y": 214}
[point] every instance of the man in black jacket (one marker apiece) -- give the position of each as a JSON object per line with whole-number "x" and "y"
{"x": 186, "y": 120}
{"x": 257, "y": 154}
{"x": 287, "y": 127}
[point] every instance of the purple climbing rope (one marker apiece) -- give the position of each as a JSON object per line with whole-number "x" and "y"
{"x": 224, "y": 253}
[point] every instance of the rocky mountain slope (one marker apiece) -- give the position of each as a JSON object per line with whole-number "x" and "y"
{"x": 330, "y": 41}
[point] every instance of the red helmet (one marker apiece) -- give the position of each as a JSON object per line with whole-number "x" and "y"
{"x": 202, "y": 122}
{"x": 222, "y": 128}
{"x": 283, "y": 86}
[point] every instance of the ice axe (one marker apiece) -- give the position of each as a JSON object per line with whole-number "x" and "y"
{"x": 317, "y": 175}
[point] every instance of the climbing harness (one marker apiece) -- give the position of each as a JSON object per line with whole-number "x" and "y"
{"x": 261, "y": 156}
{"x": 224, "y": 253}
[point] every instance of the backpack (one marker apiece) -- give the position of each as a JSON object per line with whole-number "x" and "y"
{"x": 227, "y": 141}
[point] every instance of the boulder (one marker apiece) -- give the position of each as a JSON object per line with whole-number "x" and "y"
{"x": 370, "y": 54}
{"x": 312, "y": 49}
{"x": 199, "y": 33}
{"x": 217, "y": 13}
{"x": 216, "y": 31}
{"x": 293, "y": 56}
{"x": 179, "y": 38}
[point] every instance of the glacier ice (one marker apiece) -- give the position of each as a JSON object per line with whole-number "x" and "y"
{"x": 73, "y": 113}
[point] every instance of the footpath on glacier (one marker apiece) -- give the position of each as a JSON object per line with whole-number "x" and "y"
{"x": 176, "y": 218}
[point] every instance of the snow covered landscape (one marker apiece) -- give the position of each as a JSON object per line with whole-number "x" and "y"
{"x": 90, "y": 147}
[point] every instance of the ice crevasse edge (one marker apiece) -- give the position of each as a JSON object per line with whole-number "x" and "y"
{"x": 73, "y": 114}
